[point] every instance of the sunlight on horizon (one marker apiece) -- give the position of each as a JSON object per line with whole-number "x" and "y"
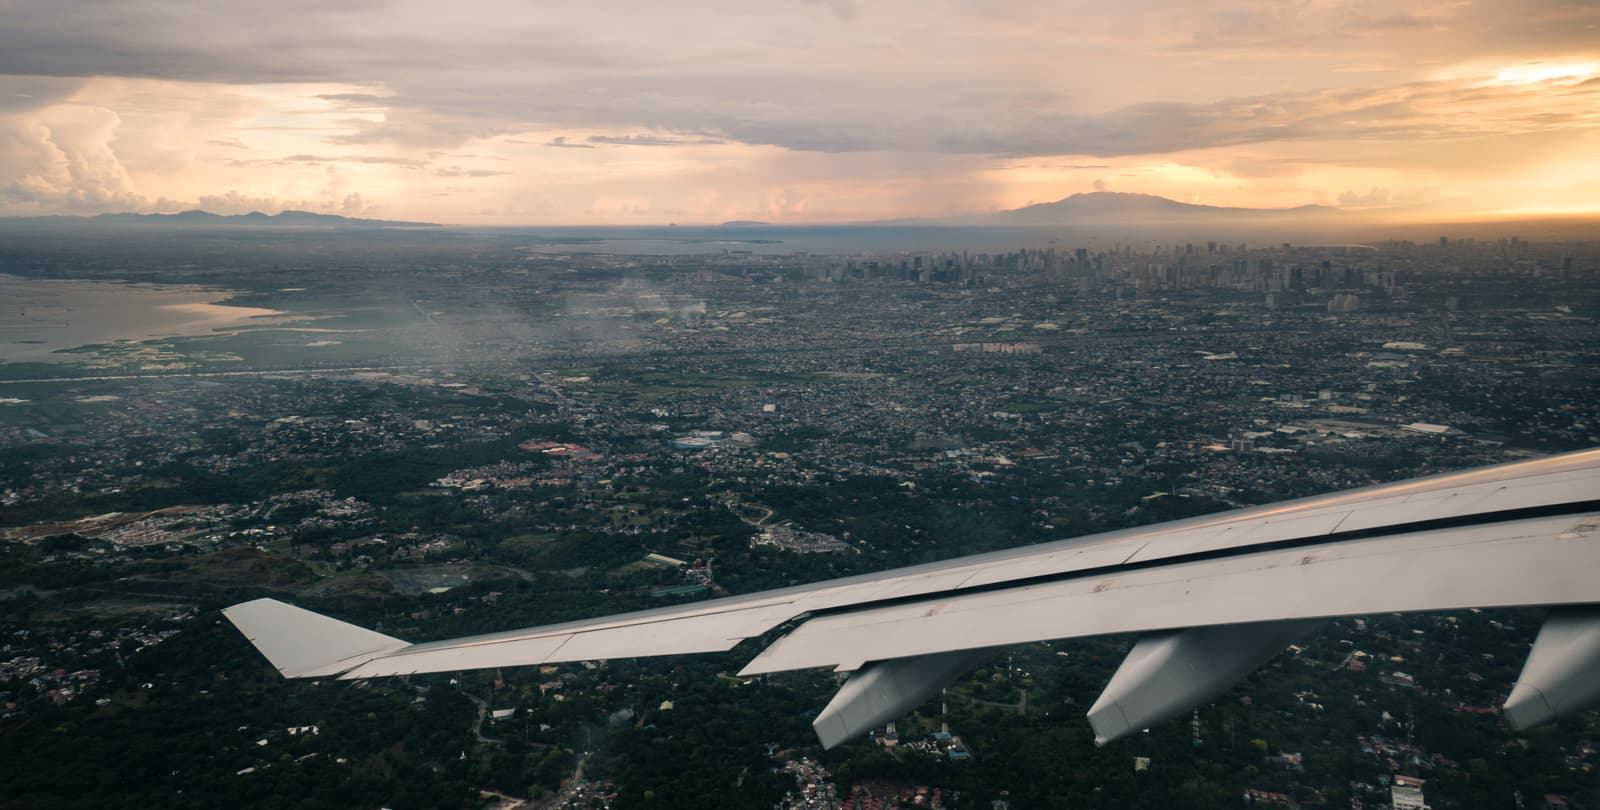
{"x": 1539, "y": 73}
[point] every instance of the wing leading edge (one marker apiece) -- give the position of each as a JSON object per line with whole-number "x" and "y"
{"x": 1523, "y": 534}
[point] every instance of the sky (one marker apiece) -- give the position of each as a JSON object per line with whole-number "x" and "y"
{"x": 794, "y": 111}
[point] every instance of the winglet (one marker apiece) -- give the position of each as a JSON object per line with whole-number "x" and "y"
{"x": 302, "y": 644}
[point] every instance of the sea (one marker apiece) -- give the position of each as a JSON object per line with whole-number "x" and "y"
{"x": 41, "y": 317}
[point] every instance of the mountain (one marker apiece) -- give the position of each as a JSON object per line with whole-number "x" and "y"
{"x": 1119, "y": 208}
{"x": 206, "y": 219}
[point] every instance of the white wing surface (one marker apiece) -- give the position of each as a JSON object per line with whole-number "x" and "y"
{"x": 1215, "y": 596}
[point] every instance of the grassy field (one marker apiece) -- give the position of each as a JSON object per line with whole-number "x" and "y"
{"x": 49, "y": 409}
{"x": 280, "y": 348}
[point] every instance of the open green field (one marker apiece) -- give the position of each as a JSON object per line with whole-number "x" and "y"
{"x": 280, "y": 348}
{"x": 53, "y": 408}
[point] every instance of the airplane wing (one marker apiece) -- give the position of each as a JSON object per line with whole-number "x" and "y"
{"x": 1212, "y": 598}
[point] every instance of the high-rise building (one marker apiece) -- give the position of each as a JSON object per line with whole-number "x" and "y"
{"x": 1344, "y": 302}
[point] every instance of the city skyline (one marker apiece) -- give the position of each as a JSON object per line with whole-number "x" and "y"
{"x": 805, "y": 112}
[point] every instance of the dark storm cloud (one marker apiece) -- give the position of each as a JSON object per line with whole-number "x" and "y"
{"x": 140, "y": 38}
{"x": 21, "y": 93}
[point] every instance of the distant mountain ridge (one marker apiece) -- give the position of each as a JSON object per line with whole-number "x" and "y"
{"x": 1122, "y": 208}
{"x": 1101, "y": 203}
{"x": 282, "y": 219}
{"x": 1096, "y": 208}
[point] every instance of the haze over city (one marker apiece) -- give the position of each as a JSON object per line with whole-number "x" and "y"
{"x": 795, "y": 112}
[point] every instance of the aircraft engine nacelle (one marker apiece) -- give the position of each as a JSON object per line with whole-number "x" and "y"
{"x": 1562, "y": 673}
{"x": 883, "y": 690}
{"x": 1169, "y": 673}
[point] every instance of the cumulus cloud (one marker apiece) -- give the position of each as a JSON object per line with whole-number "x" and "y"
{"x": 1373, "y": 198}
{"x": 1378, "y": 197}
{"x": 232, "y": 203}
{"x": 332, "y": 198}
{"x": 63, "y": 157}
{"x": 60, "y": 160}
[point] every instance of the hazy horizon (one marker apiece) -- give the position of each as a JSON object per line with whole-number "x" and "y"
{"x": 1219, "y": 221}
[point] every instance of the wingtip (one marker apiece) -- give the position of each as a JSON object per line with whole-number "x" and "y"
{"x": 301, "y": 644}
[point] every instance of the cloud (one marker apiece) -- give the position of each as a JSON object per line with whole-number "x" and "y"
{"x": 60, "y": 160}
{"x": 836, "y": 118}
{"x": 561, "y": 142}
{"x": 1256, "y": 96}
{"x": 420, "y": 128}
{"x": 357, "y": 99}
{"x": 380, "y": 160}
{"x": 1021, "y": 80}
{"x": 21, "y": 94}
{"x": 842, "y": 10}
{"x": 335, "y": 197}
{"x": 1378, "y": 197}
{"x": 77, "y": 156}
{"x": 457, "y": 171}
{"x": 1373, "y": 198}
{"x": 650, "y": 140}
{"x": 232, "y": 203}
{"x": 1422, "y": 110}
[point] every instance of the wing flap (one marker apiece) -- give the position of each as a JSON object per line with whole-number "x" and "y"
{"x": 1523, "y": 562}
{"x": 454, "y": 658}
{"x": 650, "y": 635}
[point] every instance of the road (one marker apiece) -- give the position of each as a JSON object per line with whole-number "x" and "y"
{"x": 477, "y": 724}
{"x": 569, "y": 786}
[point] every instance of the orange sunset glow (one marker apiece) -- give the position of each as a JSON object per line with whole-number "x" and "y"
{"x": 797, "y": 112}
